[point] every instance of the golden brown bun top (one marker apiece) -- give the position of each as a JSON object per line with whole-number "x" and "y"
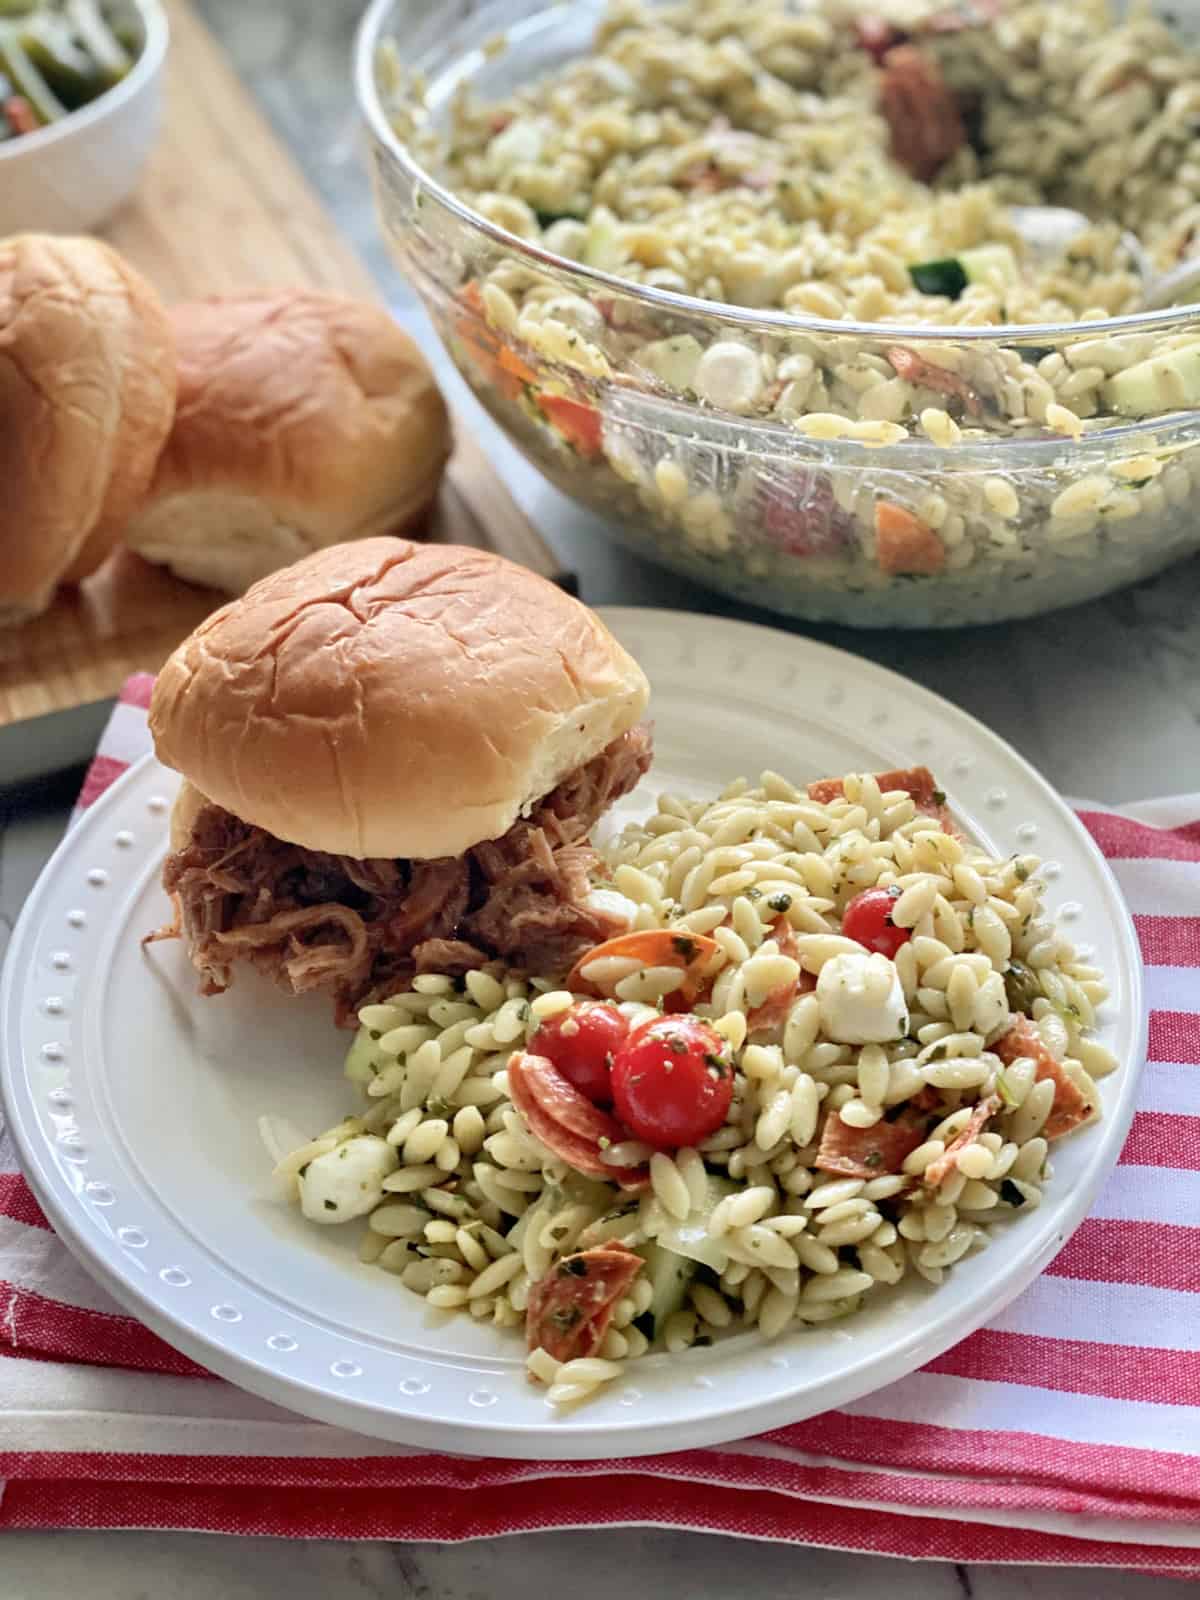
{"x": 318, "y": 407}
{"x": 87, "y": 391}
{"x": 385, "y": 698}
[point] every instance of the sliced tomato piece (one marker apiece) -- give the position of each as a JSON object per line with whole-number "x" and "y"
{"x": 1071, "y": 1107}
{"x": 870, "y": 1152}
{"x": 904, "y": 544}
{"x": 579, "y": 424}
{"x": 692, "y": 953}
{"x": 496, "y": 361}
{"x": 570, "y": 1309}
{"x": 946, "y": 1163}
{"x": 566, "y": 1121}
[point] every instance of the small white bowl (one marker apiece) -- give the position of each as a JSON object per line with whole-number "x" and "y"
{"x": 72, "y": 175}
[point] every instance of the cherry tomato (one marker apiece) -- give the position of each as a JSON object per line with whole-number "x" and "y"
{"x": 672, "y": 1082}
{"x": 868, "y": 920}
{"x": 582, "y": 1042}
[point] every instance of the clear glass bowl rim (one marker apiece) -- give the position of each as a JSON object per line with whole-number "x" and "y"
{"x": 774, "y": 323}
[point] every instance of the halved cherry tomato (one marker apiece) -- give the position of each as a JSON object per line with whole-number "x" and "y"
{"x": 672, "y": 1082}
{"x": 868, "y": 920}
{"x": 566, "y": 1121}
{"x": 692, "y": 953}
{"x": 582, "y": 1042}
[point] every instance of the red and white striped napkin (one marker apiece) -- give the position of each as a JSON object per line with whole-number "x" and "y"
{"x": 1066, "y": 1432}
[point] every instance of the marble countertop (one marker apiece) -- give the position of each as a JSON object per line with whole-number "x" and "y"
{"x": 1104, "y": 699}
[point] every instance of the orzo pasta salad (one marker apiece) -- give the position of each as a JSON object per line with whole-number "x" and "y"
{"x": 873, "y": 184}
{"x": 831, "y": 1052}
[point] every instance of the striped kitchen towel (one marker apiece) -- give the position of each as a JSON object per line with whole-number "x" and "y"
{"x": 1066, "y": 1432}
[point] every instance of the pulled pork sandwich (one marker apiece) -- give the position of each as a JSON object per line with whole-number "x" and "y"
{"x": 393, "y": 757}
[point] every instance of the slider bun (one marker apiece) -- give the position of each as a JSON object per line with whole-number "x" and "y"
{"x": 87, "y": 392}
{"x": 303, "y": 420}
{"x": 385, "y": 698}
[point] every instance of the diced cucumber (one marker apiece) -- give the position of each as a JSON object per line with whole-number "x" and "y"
{"x": 1163, "y": 383}
{"x": 691, "y": 1237}
{"x": 947, "y": 276}
{"x": 950, "y": 275}
{"x": 361, "y": 1058}
{"x": 669, "y": 1277}
{"x": 987, "y": 262}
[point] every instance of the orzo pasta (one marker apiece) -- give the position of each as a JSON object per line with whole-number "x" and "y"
{"x": 858, "y": 1083}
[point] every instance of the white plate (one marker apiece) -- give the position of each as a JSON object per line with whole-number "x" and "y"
{"x": 133, "y": 1101}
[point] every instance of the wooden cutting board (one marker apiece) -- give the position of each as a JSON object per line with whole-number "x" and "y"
{"x": 221, "y": 207}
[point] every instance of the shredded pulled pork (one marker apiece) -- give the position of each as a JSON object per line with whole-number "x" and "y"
{"x": 361, "y": 929}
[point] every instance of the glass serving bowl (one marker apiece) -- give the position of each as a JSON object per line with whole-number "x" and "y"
{"x": 606, "y": 403}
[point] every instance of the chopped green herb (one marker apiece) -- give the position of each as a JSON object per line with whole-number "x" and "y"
{"x": 1010, "y": 1194}
{"x": 331, "y": 1205}
{"x": 939, "y": 797}
{"x": 576, "y": 1266}
{"x": 874, "y": 1158}
{"x": 780, "y": 902}
{"x": 684, "y": 946}
{"x": 753, "y": 893}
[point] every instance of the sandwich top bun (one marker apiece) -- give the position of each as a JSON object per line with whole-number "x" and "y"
{"x": 87, "y": 392}
{"x": 303, "y": 420}
{"x": 385, "y": 698}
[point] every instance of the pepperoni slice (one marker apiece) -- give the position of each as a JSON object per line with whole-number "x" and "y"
{"x": 918, "y": 782}
{"x": 570, "y": 1309}
{"x": 946, "y": 1163}
{"x": 774, "y": 1009}
{"x": 907, "y": 364}
{"x": 1071, "y": 1107}
{"x": 870, "y": 1152}
{"x": 566, "y": 1121}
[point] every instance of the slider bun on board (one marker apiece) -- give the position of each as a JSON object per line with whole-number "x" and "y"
{"x": 303, "y": 420}
{"x": 87, "y": 393}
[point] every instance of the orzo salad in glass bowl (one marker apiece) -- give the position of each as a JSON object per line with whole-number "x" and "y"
{"x": 789, "y": 294}
{"x": 833, "y": 1051}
